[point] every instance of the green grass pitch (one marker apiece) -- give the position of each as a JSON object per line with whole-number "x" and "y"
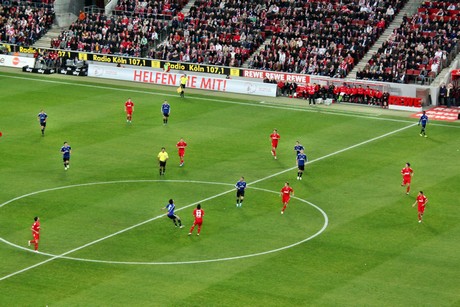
{"x": 349, "y": 237}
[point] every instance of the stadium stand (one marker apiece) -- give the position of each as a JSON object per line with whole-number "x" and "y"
{"x": 215, "y": 32}
{"x": 24, "y": 22}
{"x": 134, "y": 29}
{"x": 418, "y": 50}
{"x": 322, "y": 37}
{"x": 148, "y": 9}
{"x": 317, "y": 37}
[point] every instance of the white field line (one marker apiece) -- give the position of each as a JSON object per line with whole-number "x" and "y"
{"x": 326, "y": 222}
{"x": 211, "y": 197}
{"x": 253, "y": 104}
{"x": 338, "y": 152}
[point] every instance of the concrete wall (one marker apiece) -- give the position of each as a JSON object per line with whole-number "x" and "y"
{"x": 110, "y": 6}
{"x": 67, "y": 11}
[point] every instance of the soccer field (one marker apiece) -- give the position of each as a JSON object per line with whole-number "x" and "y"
{"x": 349, "y": 236}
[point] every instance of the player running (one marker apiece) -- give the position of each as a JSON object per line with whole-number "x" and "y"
{"x": 286, "y": 193}
{"x": 35, "y": 233}
{"x": 301, "y": 161}
{"x": 240, "y": 188}
{"x": 298, "y": 147}
{"x": 421, "y": 202}
{"x": 407, "y": 174}
{"x": 274, "y": 137}
{"x": 129, "y": 109}
{"x": 423, "y": 121}
{"x": 198, "y": 213}
{"x": 166, "y": 111}
{"x": 66, "y": 150}
{"x": 174, "y": 217}
{"x": 181, "y": 145}
{"x": 42, "y": 117}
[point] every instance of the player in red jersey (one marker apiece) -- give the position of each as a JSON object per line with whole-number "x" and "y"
{"x": 181, "y": 150}
{"x": 421, "y": 201}
{"x": 286, "y": 193}
{"x": 35, "y": 233}
{"x": 129, "y": 108}
{"x": 274, "y": 137}
{"x": 407, "y": 174}
{"x": 198, "y": 213}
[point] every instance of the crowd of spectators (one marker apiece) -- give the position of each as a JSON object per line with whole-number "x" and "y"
{"x": 122, "y": 35}
{"x": 322, "y": 37}
{"x": 24, "y": 22}
{"x": 316, "y": 37}
{"x": 449, "y": 95}
{"x": 215, "y": 32}
{"x": 417, "y": 50}
{"x": 134, "y": 29}
{"x": 149, "y": 9}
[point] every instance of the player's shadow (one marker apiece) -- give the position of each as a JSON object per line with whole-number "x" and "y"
{"x": 434, "y": 140}
{"x": 431, "y": 229}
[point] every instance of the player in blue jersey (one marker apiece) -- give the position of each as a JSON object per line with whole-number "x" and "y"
{"x": 66, "y": 150}
{"x": 165, "y": 110}
{"x": 174, "y": 217}
{"x": 423, "y": 121}
{"x": 42, "y": 119}
{"x": 301, "y": 161}
{"x": 240, "y": 188}
{"x": 298, "y": 147}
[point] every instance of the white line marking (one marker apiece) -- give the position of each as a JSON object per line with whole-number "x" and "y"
{"x": 249, "y": 103}
{"x": 101, "y": 182}
{"x": 337, "y": 152}
{"x": 223, "y": 193}
{"x": 326, "y": 222}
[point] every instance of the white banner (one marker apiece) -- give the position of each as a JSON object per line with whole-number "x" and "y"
{"x": 278, "y": 76}
{"x": 171, "y": 79}
{"x": 16, "y": 61}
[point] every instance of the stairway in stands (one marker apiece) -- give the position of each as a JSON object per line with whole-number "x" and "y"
{"x": 267, "y": 41}
{"x": 45, "y": 41}
{"x": 409, "y": 9}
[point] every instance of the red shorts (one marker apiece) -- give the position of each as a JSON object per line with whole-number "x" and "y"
{"x": 198, "y": 222}
{"x": 406, "y": 180}
{"x": 181, "y": 152}
{"x": 129, "y": 112}
{"x": 421, "y": 209}
{"x": 286, "y": 199}
{"x": 274, "y": 144}
{"x": 36, "y": 236}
